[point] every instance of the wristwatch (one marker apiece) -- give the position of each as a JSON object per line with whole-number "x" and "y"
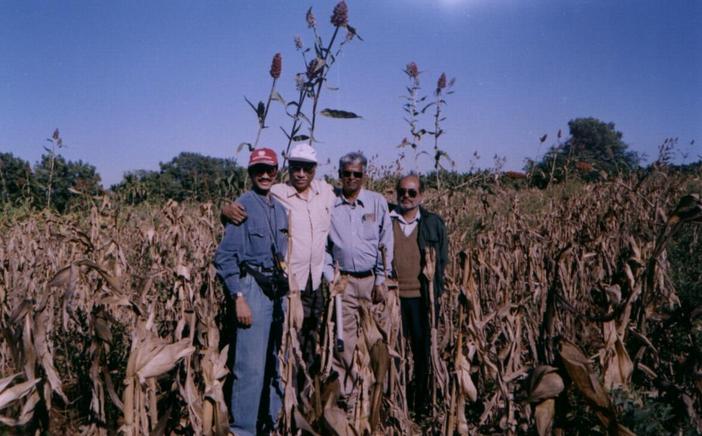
{"x": 238, "y": 295}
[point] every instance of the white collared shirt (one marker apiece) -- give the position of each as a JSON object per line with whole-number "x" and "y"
{"x": 407, "y": 227}
{"x": 309, "y": 226}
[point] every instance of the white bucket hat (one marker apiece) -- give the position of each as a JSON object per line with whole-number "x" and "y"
{"x": 303, "y": 152}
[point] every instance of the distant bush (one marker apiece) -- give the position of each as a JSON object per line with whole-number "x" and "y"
{"x": 15, "y": 179}
{"x": 188, "y": 176}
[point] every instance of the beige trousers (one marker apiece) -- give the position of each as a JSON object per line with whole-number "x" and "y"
{"x": 358, "y": 292}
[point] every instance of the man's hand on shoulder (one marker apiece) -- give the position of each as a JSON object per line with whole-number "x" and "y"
{"x": 233, "y": 212}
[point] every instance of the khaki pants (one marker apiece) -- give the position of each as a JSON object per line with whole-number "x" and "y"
{"x": 358, "y": 292}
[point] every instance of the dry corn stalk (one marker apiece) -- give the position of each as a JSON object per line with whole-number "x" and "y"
{"x": 89, "y": 278}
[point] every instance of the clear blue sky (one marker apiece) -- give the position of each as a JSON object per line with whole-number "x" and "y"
{"x": 132, "y": 83}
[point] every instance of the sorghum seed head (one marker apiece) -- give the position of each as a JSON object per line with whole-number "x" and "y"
{"x": 311, "y": 20}
{"x": 312, "y": 68}
{"x": 441, "y": 83}
{"x": 298, "y": 42}
{"x": 412, "y": 70}
{"x": 276, "y": 66}
{"x": 299, "y": 81}
{"x": 340, "y": 16}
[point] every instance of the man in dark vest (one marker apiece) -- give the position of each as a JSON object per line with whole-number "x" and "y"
{"x": 415, "y": 231}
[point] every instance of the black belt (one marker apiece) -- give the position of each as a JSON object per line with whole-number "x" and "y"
{"x": 266, "y": 281}
{"x": 359, "y": 274}
{"x": 258, "y": 268}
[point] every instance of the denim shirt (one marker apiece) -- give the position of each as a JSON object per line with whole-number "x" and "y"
{"x": 251, "y": 241}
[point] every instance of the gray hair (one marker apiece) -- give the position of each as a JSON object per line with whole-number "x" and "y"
{"x": 355, "y": 157}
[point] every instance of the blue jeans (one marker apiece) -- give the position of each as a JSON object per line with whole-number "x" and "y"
{"x": 256, "y": 391}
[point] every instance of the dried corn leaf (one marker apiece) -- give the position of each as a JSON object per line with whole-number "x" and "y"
{"x": 160, "y": 358}
{"x": 544, "y": 414}
{"x": 579, "y": 370}
{"x": 545, "y": 383}
{"x": 465, "y": 382}
{"x": 8, "y": 395}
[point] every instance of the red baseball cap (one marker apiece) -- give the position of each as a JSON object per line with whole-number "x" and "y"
{"x": 263, "y": 156}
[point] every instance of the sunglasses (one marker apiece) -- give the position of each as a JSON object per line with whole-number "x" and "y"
{"x": 348, "y": 174}
{"x": 412, "y": 193}
{"x": 264, "y": 169}
{"x": 306, "y": 168}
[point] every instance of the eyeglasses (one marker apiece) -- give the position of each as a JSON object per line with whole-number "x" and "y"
{"x": 411, "y": 192}
{"x": 348, "y": 174}
{"x": 264, "y": 169}
{"x": 308, "y": 168}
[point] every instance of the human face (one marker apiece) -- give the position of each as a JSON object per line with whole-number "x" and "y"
{"x": 301, "y": 174}
{"x": 352, "y": 177}
{"x": 263, "y": 176}
{"x": 408, "y": 195}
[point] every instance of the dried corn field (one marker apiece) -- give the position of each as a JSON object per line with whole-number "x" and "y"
{"x": 556, "y": 302}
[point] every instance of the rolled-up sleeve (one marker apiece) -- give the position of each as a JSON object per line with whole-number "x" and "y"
{"x": 328, "y": 269}
{"x": 227, "y": 257}
{"x": 386, "y": 240}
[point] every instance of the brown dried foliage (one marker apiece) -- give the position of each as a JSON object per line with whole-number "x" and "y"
{"x": 530, "y": 293}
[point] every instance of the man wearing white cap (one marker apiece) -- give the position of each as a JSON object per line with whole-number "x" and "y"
{"x": 309, "y": 203}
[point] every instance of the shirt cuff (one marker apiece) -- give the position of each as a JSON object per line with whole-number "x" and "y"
{"x": 233, "y": 285}
{"x": 379, "y": 279}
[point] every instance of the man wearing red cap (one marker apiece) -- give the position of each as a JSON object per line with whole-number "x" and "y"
{"x": 309, "y": 202}
{"x": 248, "y": 261}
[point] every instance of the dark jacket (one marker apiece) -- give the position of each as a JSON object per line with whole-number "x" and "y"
{"x": 432, "y": 233}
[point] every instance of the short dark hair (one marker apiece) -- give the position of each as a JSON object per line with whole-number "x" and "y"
{"x": 419, "y": 181}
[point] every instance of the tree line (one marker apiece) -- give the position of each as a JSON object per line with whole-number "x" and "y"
{"x": 64, "y": 185}
{"x": 593, "y": 150}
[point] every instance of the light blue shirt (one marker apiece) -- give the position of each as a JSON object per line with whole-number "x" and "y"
{"x": 357, "y": 231}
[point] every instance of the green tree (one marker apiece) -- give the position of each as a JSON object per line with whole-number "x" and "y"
{"x": 187, "y": 176}
{"x": 594, "y": 148}
{"x": 70, "y": 181}
{"x": 600, "y": 144}
{"x": 139, "y": 186}
{"x": 15, "y": 179}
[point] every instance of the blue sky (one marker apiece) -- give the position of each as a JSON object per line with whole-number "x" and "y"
{"x": 133, "y": 83}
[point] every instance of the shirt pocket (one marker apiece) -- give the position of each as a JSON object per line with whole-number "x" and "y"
{"x": 323, "y": 221}
{"x": 369, "y": 229}
{"x": 259, "y": 242}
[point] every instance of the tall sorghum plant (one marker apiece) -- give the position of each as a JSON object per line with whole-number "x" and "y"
{"x": 261, "y": 109}
{"x": 310, "y": 83}
{"x": 56, "y": 145}
{"x": 443, "y": 88}
{"x": 412, "y": 100}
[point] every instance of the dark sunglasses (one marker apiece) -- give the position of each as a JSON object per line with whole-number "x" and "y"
{"x": 411, "y": 192}
{"x": 348, "y": 174}
{"x": 264, "y": 169}
{"x": 308, "y": 168}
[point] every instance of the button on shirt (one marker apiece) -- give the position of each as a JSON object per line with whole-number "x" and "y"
{"x": 407, "y": 227}
{"x": 251, "y": 241}
{"x": 309, "y": 227}
{"x": 357, "y": 231}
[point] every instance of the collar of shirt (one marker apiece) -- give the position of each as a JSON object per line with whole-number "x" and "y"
{"x": 361, "y": 199}
{"x": 290, "y": 191}
{"x": 264, "y": 199}
{"x": 398, "y": 216}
